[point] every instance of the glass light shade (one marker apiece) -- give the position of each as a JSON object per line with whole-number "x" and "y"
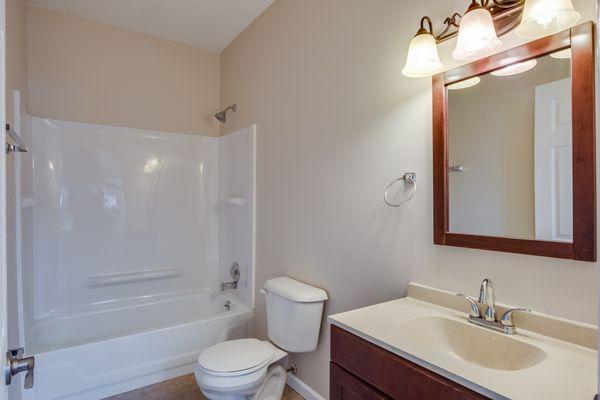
{"x": 545, "y": 17}
{"x": 515, "y": 69}
{"x": 423, "y": 59}
{"x": 476, "y": 36}
{"x": 467, "y": 83}
{"x": 562, "y": 54}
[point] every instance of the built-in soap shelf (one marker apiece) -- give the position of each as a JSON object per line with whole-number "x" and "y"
{"x": 27, "y": 202}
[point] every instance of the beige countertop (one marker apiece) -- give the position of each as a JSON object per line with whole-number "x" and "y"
{"x": 568, "y": 369}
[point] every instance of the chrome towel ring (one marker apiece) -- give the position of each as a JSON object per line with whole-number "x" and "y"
{"x": 407, "y": 178}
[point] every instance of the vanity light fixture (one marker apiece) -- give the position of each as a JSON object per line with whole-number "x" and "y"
{"x": 516, "y": 69}
{"x": 479, "y": 28}
{"x": 562, "y": 54}
{"x": 467, "y": 83}
{"x": 476, "y": 35}
{"x": 546, "y": 17}
{"x": 423, "y": 58}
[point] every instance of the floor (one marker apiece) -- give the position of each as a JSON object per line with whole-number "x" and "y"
{"x": 183, "y": 388}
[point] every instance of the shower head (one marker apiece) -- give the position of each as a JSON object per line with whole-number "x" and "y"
{"x": 222, "y": 116}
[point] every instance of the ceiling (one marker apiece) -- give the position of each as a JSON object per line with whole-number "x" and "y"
{"x": 207, "y": 24}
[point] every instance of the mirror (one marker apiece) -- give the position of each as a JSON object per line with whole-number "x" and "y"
{"x": 510, "y": 151}
{"x": 514, "y": 166}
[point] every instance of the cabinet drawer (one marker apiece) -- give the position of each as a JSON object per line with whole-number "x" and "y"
{"x": 391, "y": 374}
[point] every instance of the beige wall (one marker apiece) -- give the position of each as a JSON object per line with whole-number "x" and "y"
{"x": 16, "y": 53}
{"x": 491, "y": 129}
{"x": 86, "y": 71}
{"x": 336, "y": 123}
{"x": 16, "y": 79}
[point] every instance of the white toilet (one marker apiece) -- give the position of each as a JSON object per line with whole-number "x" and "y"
{"x": 247, "y": 368}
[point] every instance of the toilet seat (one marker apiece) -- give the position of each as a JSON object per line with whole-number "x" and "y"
{"x": 236, "y": 366}
{"x": 236, "y": 357}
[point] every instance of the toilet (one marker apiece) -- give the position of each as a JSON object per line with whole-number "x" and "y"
{"x": 248, "y": 368}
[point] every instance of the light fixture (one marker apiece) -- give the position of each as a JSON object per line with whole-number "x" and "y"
{"x": 562, "y": 54}
{"x": 477, "y": 35}
{"x": 467, "y": 83}
{"x": 515, "y": 69}
{"x": 423, "y": 59}
{"x": 546, "y": 17}
{"x": 479, "y": 28}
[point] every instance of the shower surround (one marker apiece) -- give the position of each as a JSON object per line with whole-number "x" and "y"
{"x": 131, "y": 233}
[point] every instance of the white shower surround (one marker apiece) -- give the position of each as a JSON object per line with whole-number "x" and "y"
{"x": 132, "y": 232}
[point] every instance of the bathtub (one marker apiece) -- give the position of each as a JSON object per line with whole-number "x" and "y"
{"x": 112, "y": 348}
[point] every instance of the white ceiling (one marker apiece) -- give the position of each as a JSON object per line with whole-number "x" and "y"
{"x": 208, "y": 24}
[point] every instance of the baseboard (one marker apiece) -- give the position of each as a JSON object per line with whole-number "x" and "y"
{"x": 302, "y": 388}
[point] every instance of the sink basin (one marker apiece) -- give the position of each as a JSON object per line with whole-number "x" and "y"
{"x": 439, "y": 335}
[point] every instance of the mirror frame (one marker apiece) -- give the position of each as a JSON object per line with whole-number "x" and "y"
{"x": 581, "y": 40}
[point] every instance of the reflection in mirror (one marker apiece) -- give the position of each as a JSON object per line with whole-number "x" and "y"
{"x": 510, "y": 152}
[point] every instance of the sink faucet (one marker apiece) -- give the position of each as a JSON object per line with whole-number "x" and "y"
{"x": 488, "y": 298}
{"x": 487, "y": 319}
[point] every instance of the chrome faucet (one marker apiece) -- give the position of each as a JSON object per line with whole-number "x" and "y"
{"x": 488, "y": 298}
{"x": 235, "y": 276}
{"x": 487, "y": 319}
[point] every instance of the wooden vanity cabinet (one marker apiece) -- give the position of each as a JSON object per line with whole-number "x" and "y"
{"x": 360, "y": 370}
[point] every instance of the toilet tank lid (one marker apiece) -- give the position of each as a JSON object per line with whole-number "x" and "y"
{"x": 294, "y": 290}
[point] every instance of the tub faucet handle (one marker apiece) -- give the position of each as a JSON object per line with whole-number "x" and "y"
{"x": 235, "y": 276}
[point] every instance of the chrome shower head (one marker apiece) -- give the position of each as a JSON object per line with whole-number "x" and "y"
{"x": 222, "y": 116}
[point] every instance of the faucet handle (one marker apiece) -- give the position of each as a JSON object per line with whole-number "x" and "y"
{"x": 507, "y": 319}
{"x": 474, "y": 311}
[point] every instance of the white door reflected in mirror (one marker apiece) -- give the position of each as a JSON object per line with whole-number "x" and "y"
{"x": 553, "y": 162}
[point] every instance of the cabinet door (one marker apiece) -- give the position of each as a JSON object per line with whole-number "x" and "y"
{"x": 391, "y": 374}
{"x": 345, "y": 386}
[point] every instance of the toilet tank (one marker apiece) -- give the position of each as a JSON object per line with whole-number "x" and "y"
{"x": 294, "y": 311}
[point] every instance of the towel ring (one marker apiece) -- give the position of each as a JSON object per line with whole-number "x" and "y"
{"x": 407, "y": 178}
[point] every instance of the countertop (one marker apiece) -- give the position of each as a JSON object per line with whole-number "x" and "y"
{"x": 569, "y": 371}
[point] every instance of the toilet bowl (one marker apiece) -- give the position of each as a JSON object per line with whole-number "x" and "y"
{"x": 248, "y": 369}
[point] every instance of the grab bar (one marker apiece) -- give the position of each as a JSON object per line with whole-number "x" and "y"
{"x": 18, "y": 144}
{"x": 134, "y": 276}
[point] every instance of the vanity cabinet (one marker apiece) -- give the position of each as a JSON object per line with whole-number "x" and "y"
{"x": 360, "y": 370}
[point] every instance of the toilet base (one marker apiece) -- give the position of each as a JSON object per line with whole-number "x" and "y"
{"x": 269, "y": 388}
{"x": 273, "y": 384}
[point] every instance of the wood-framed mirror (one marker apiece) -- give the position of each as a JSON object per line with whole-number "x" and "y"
{"x": 514, "y": 165}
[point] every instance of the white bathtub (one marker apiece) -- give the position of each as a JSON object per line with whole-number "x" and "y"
{"x": 108, "y": 350}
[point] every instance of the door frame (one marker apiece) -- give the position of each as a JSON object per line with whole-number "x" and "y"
{"x": 3, "y": 285}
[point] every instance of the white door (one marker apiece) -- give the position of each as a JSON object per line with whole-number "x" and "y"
{"x": 553, "y": 162}
{"x": 3, "y": 301}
